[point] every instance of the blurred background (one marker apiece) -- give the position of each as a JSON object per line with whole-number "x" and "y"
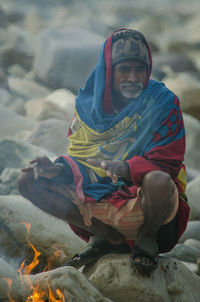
{"x": 49, "y": 47}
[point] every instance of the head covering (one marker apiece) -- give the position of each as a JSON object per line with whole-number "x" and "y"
{"x": 128, "y": 44}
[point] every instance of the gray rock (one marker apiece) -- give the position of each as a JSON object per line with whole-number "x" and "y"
{"x": 16, "y": 153}
{"x": 8, "y": 274}
{"x": 72, "y": 53}
{"x": 21, "y": 223}
{"x": 184, "y": 253}
{"x": 27, "y": 89}
{"x": 8, "y": 181}
{"x": 51, "y": 135}
{"x": 192, "y": 231}
{"x": 192, "y": 129}
{"x": 117, "y": 280}
{"x": 193, "y": 194}
{"x": 192, "y": 174}
{"x": 12, "y": 123}
{"x": 187, "y": 88}
{"x": 17, "y": 47}
{"x": 176, "y": 61}
{"x": 193, "y": 267}
{"x": 193, "y": 243}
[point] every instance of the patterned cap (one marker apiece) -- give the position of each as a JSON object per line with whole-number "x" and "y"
{"x": 129, "y": 44}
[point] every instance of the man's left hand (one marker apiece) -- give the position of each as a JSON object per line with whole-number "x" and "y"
{"x": 114, "y": 169}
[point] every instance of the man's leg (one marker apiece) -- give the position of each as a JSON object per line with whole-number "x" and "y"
{"x": 51, "y": 197}
{"x": 157, "y": 202}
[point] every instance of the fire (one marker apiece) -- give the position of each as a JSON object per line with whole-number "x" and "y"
{"x": 37, "y": 295}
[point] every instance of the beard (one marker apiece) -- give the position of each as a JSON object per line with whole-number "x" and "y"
{"x": 129, "y": 90}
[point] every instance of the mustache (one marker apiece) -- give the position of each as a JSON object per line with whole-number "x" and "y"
{"x": 133, "y": 85}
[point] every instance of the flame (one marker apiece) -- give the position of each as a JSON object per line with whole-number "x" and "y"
{"x": 28, "y": 269}
{"x": 37, "y": 294}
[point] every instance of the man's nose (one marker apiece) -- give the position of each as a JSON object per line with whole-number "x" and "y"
{"x": 132, "y": 76}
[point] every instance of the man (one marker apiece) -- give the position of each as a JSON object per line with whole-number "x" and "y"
{"x": 122, "y": 185}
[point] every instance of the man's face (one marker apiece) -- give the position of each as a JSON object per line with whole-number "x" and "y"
{"x": 129, "y": 78}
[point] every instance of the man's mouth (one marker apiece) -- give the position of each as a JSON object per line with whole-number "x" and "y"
{"x": 131, "y": 90}
{"x": 137, "y": 86}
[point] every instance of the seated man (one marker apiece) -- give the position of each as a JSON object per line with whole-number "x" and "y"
{"x": 122, "y": 185}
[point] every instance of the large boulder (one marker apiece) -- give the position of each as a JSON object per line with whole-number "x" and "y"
{"x": 72, "y": 53}
{"x": 193, "y": 194}
{"x": 192, "y": 231}
{"x": 16, "y": 153}
{"x": 59, "y": 104}
{"x": 27, "y": 89}
{"x": 117, "y": 280}
{"x": 10, "y": 285}
{"x": 24, "y": 226}
{"x": 51, "y": 135}
{"x": 12, "y": 123}
{"x": 187, "y": 88}
{"x": 192, "y": 129}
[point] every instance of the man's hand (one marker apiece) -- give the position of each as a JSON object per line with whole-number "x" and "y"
{"x": 43, "y": 166}
{"x": 114, "y": 169}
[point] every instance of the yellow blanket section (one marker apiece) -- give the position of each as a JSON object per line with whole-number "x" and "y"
{"x": 113, "y": 144}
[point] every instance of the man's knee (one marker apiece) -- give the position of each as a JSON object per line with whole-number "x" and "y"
{"x": 158, "y": 183}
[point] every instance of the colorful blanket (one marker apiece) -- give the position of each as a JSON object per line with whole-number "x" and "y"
{"x": 148, "y": 133}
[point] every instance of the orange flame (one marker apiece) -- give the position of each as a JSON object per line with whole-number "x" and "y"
{"x": 38, "y": 295}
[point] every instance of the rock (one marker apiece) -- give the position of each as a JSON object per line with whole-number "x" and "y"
{"x": 8, "y": 181}
{"x": 12, "y": 123}
{"x": 192, "y": 129}
{"x": 175, "y": 61}
{"x": 16, "y": 153}
{"x": 187, "y": 88}
{"x": 72, "y": 284}
{"x": 67, "y": 64}
{"x": 194, "y": 198}
{"x": 51, "y": 236}
{"x": 193, "y": 243}
{"x": 27, "y": 89}
{"x": 193, "y": 267}
{"x": 43, "y": 110}
{"x": 114, "y": 278}
{"x": 65, "y": 99}
{"x": 51, "y": 135}
{"x": 192, "y": 231}
{"x": 17, "y": 47}
{"x": 184, "y": 253}
{"x": 8, "y": 275}
{"x": 192, "y": 174}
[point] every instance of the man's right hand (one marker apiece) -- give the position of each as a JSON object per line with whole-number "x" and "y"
{"x": 44, "y": 167}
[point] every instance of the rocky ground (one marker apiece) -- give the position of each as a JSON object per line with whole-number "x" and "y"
{"x": 47, "y": 50}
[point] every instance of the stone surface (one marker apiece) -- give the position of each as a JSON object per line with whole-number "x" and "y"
{"x": 52, "y": 237}
{"x": 8, "y": 181}
{"x": 66, "y": 63}
{"x": 16, "y": 153}
{"x": 73, "y": 285}
{"x": 193, "y": 243}
{"x": 8, "y": 274}
{"x": 193, "y": 194}
{"x": 192, "y": 129}
{"x": 114, "y": 277}
{"x": 184, "y": 253}
{"x": 187, "y": 88}
{"x": 12, "y": 123}
{"x": 192, "y": 231}
{"x": 50, "y": 134}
